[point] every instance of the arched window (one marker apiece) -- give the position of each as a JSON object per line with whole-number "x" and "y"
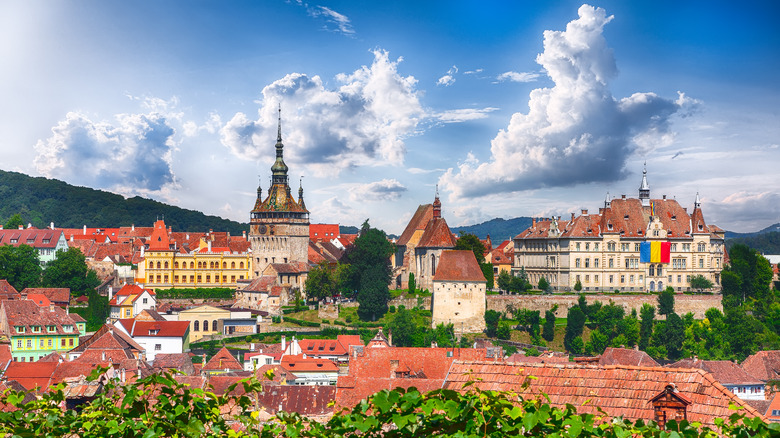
{"x": 232, "y": 265}
{"x": 652, "y": 285}
{"x": 659, "y": 271}
{"x": 433, "y": 264}
{"x": 175, "y": 265}
{"x": 158, "y": 265}
{"x": 660, "y": 286}
{"x": 652, "y": 270}
{"x": 192, "y": 265}
{"x": 200, "y": 265}
{"x": 224, "y": 265}
{"x": 211, "y": 265}
{"x": 205, "y": 325}
{"x": 197, "y": 326}
{"x": 241, "y": 265}
{"x": 214, "y": 325}
{"x": 166, "y": 264}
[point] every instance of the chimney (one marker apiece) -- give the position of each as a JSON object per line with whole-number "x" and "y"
{"x": 664, "y": 196}
{"x": 209, "y": 245}
{"x": 132, "y": 227}
{"x": 284, "y": 342}
{"x": 21, "y": 227}
{"x": 584, "y": 211}
{"x": 142, "y": 251}
{"x": 622, "y": 196}
{"x": 110, "y": 292}
{"x": 85, "y": 229}
{"x": 572, "y": 216}
{"x": 104, "y": 356}
{"x": 29, "y": 225}
{"x": 1, "y": 226}
{"x": 71, "y": 237}
{"x": 51, "y": 307}
{"x": 243, "y": 234}
{"x": 51, "y": 226}
{"x": 533, "y": 222}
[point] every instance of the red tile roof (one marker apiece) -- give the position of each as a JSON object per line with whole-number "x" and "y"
{"x": 419, "y": 221}
{"x": 323, "y": 231}
{"x": 764, "y": 365}
{"x": 58, "y": 295}
{"x": 437, "y": 235}
{"x": 627, "y": 356}
{"x": 26, "y": 313}
{"x": 299, "y": 364}
{"x": 223, "y": 360}
{"x": 159, "y": 240}
{"x": 305, "y": 400}
{"x": 460, "y": 265}
{"x": 34, "y": 237}
{"x": 724, "y": 371}
{"x": 619, "y": 390}
{"x": 31, "y": 375}
{"x": 164, "y": 329}
{"x": 8, "y": 292}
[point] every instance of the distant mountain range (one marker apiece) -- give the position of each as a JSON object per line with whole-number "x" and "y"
{"x": 41, "y": 201}
{"x": 498, "y": 229}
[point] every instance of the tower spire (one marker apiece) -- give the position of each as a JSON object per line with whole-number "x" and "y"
{"x": 644, "y": 188}
{"x": 279, "y": 169}
{"x": 300, "y": 193}
{"x": 437, "y": 204}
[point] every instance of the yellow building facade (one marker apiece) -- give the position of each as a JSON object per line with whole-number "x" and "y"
{"x": 204, "y": 320}
{"x": 163, "y": 267}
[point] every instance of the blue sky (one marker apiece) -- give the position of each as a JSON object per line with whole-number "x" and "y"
{"x": 513, "y": 108}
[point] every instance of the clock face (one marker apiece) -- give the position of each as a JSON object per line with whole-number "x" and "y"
{"x": 263, "y": 229}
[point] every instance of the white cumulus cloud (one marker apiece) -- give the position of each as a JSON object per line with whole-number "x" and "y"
{"x": 384, "y": 190}
{"x": 449, "y": 78}
{"x": 464, "y": 114}
{"x": 131, "y": 154}
{"x": 361, "y": 122}
{"x": 574, "y": 132}
{"x": 518, "y": 77}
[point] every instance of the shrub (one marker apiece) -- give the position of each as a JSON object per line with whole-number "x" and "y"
{"x": 348, "y": 319}
{"x": 392, "y": 308}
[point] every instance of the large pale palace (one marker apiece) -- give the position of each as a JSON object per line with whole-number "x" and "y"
{"x": 602, "y": 251}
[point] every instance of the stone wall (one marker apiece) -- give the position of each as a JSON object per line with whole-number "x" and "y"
{"x": 328, "y": 311}
{"x": 410, "y": 303}
{"x": 698, "y": 304}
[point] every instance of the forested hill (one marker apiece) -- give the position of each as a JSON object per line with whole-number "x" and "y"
{"x": 765, "y": 243}
{"x": 499, "y": 229}
{"x": 41, "y": 201}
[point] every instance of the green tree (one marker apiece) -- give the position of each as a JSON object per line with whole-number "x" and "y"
{"x": 503, "y": 331}
{"x": 548, "y": 330}
{"x": 412, "y": 284}
{"x": 14, "y": 222}
{"x": 647, "y": 316}
{"x": 577, "y": 286}
{"x": 575, "y": 323}
{"x": 404, "y": 327}
{"x": 321, "y": 282}
{"x": 69, "y": 269}
{"x": 472, "y": 243}
{"x": 582, "y": 302}
{"x": 598, "y": 342}
{"x": 700, "y": 282}
{"x": 504, "y": 281}
{"x": 674, "y": 335}
{"x": 492, "y": 318}
{"x": 370, "y": 270}
{"x": 666, "y": 301}
{"x": 487, "y": 271}
{"x": 544, "y": 286}
{"x": 20, "y": 266}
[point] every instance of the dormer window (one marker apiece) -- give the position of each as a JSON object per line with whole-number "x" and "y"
{"x": 50, "y": 328}
{"x": 609, "y": 227}
{"x": 153, "y": 332}
{"x": 701, "y": 227}
{"x": 36, "y": 329}
{"x": 674, "y": 217}
{"x": 20, "y": 329}
{"x": 67, "y": 328}
{"x": 625, "y": 217}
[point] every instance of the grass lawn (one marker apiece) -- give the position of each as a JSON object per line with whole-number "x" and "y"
{"x": 556, "y": 344}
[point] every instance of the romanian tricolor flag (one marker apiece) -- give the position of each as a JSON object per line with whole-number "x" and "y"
{"x": 652, "y": 208}
{"x": 654, "y": 252}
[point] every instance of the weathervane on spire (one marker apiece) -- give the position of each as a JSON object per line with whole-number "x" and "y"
{"x": 279, "y": 126}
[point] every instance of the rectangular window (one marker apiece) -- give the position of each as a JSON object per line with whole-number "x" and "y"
{"x": 624, "y": 247}
{"x": 636, "y": 247}
{"x": 611, "y": 279}
{"x": 596, "y": 278}
{"x": 587, "y": 263}
{"x": 679, "y": 278}
{"x": 701, "y": 263}
{"x": 587, "y": 279}
{"x": 29, "y": 343}
{"x": 631, "y": 279}
{"x": 157, "y": 347}
{"x": 686, "y": 247}
{"x": 70, "y": 342}
{"x": 578, "y": 246}
{"x": 595, "y": 263}
{"x": 611, "y": 263}
{"x": 62, "y": 342}
{"x": 673, "y": 247}
{"x": 622, "y": 278}
{"x": 18, "y": 343}
{"x": 578, "y": 278}
{"x": 596, "y": 246}
{"x": 587, "y": 246}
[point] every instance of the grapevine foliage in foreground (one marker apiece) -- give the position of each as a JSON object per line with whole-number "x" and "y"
{"x": 159, "y": 406}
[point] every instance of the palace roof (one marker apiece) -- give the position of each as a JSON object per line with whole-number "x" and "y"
{"x": 458, "y": 266}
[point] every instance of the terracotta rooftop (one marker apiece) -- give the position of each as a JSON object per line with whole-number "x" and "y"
{"x": 181, "y": 362}
{"x": 165, "y": 329}
{"x": 58, "y": 295}
{"x": 619, "y": 390}
{"x": 305, "y": 400}
{"x": 437, "y": 235}
{"x": 24, "y": 314}
{"x": 34, "y": 237}
{"x": 627, "y": 356}
{"x": 221, "y": 361}
{"x": 724, "y": 371}
{"x": 419, "y": 220}
{"x": 764, "y": 365}
{"x": 8, "y": 292}
{"x": 458, "y": 265}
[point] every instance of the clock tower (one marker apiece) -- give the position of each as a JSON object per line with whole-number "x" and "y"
{"x": 278, "y": 225}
